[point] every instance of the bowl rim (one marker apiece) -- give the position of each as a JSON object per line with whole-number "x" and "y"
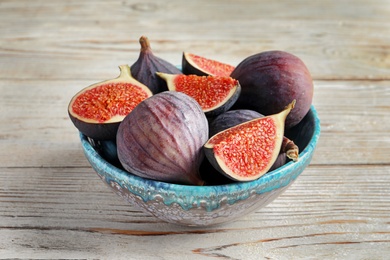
{"x": 148, "y": 184}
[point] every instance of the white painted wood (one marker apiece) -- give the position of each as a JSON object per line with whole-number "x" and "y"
{"x": 52, "y": 204}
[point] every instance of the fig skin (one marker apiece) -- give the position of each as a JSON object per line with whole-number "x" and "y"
{"x": 231, "y": 118}
{"x": 146, "y": 66}
{"x": 270, "y": 81}
{"x": 102, "y": 132}
{"x": 107, "y": 149}
{"x": 162, "y": 139}
{"x": 211, "y": 176}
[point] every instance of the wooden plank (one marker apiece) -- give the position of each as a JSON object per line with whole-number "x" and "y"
{"x": 55, "y": 40}
{"x": 52, "y": 204}
{"x": 331, "y": 211}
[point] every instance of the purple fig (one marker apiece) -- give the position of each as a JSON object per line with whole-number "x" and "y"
{"x": 145, "y": 67}
{"x": 162, "y": 139}
{"x": 270, "y": 81}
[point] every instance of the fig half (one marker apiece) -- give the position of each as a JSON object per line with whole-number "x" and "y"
{"x": 98, "y": 109}
{"x": 247, "y": 151}
{"x": 235, "y": 117}
{"x": 214, "y": 94}
{"x": 201, "y": 66}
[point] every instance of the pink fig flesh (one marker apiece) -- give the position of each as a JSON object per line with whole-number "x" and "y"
{"x": 213, "y": 93}
{"x": 247, "y": 151}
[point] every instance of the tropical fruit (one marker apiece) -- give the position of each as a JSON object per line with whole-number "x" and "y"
{"x": 162, "y": 139}
{"x": 145, "y": 67}
{"x": 247, "y": 151}
{"x": 213, "y": 93}
{"x": 201, "y": 66}
{"x": 270, "y": 80}
{"x": 98, "y": 109}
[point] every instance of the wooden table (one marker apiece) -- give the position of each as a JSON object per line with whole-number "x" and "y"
{"x": 53, "y": 205}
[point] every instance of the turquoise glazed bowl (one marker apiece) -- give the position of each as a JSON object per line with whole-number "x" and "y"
{"x": 203, "y": 205}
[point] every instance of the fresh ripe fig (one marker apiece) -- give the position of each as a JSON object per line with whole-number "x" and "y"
{"x": 162, "y": 139}
{"x": 145, "y": 68}
{"x": 97, "y": 110}
{"x": 201, "y": 66}
{"x": 214, "y": 94}
{"x": 107, "y": 149}
{"x": 248, "y": 150}
{"x": 270, "y": 80}
{"x": 235, "y": 117}
{"x": 280, "y": 161}
{"x": 231, "y": 118}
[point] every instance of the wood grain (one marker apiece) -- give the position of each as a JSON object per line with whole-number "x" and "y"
{"x": 53, "y": 208}
{"x": 337, "y": 40}
{"x": 52, "y": 204}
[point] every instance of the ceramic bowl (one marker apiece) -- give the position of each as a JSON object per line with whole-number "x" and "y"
{"x": 204, "y": 205}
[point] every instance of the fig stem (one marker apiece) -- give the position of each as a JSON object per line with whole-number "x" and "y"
{"x": 290, "y": 148}
{"x": 124, "y": 71}
{"x": 291, "y": 105}
{"x": 145, "y": 44}
{"x": 287, "y": 110}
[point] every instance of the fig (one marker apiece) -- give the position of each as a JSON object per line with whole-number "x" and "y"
{"x": 270, "y": 80}
{"x": 145, "y": 67}
{"x": 98, "y": 109}
{"x": 213, "y": 93}
{"x": 280, "y": 161}
{"x": 247, "y": 151}
{"x": 162, "y": 139}
{"x": 107, "y": 149}
{"x": 231, "y": 118}
{"x": 234, "y": 117}
{"x": 201, "y": 66}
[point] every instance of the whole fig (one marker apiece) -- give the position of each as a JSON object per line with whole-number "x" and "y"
{"x": 270, "y": 80}
{"x": 231, "y": 118}
{"x": 162, "y": 139}
{"x": 145, "y": 67}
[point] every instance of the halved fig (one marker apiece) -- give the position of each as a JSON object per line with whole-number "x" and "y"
{"x": 247, "y": 151}
{"x": 234, "y": 117}
{"x": 98, "y": 109}
{"x": 214, "y": 94}
{"x": 201, "y": 66}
